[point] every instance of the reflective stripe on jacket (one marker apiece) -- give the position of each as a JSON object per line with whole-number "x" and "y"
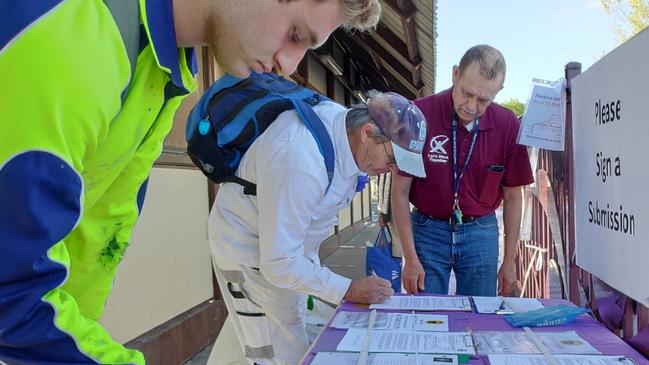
{"x": 79, "y": 131}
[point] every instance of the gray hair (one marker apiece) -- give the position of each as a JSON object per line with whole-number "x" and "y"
{"x": 357, "y": 117}
{"x": 490, "y": 60}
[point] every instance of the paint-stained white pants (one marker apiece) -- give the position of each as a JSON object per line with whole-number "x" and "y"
{"x": 269, "y": 321}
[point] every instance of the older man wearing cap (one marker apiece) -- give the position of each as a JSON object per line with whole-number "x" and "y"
{"x": 266, "y": 247}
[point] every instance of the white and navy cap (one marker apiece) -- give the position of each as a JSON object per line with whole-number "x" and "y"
{"x": 404, "y": 124}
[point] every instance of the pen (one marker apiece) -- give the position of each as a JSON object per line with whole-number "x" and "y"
{"x": 625, "y": 360}
{"x": 374, "y": 274}
{"x": 473, "y": 340}
{"x": 503, "y": 309}
{"x": 497, "y": 168}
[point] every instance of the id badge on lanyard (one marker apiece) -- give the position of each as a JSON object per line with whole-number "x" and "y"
{"x": 456, "y": 218}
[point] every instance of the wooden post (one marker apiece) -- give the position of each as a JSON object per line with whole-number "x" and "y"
{"x": 572, "y": 69}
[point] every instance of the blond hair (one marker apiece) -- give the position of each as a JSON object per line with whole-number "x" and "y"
{"x": 360, "y": 15}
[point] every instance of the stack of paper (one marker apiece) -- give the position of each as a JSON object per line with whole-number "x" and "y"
{"x": 425, "y": 303}
{"x": 493, "y": 342}
{"x": 409, "y": 342}
{"x": 392, "y": 321}
{"x": 346, "y": 358}
{"x": 505, "y": 305}
{"x": 561, "y": 359}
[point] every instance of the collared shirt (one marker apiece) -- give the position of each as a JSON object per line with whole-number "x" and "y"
{"x": 480, "y": 189}
{"x": 160, "y": 30}
{"x": 280, "y": 230}
{"x": 385, "y": 186}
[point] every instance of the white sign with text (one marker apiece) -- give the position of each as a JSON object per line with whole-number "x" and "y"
{"x": 543, "y": 123}
{"x": 611, "y": 159}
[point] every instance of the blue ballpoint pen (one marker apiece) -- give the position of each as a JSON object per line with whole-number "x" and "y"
{"x": 503, "y": 308}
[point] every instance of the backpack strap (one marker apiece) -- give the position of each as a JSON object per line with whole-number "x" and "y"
{"x": 321, "y": 136}
{"x": 127, "y": 18}
{"x": 248, "y": 187}
{"x": 319, "y": 132}
{"x": 206, "y": 137}
{"x": 204, "y": 141}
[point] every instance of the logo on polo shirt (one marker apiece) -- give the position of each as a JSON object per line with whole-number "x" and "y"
{"x": 437, "y": 152}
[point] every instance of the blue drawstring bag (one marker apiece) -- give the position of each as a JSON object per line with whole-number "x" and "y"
{"x": 556, "y": 315}
{"x": 380, "y": 262}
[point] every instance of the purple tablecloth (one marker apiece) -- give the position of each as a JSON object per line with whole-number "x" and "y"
{"x": 588, "y": 328}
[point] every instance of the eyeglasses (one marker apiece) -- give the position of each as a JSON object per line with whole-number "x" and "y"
{"x": 391, "y": 159}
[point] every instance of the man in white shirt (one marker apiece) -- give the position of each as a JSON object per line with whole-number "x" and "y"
{"x": 265, "y": 247}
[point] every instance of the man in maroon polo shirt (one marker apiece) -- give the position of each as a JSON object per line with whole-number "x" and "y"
{"x": 472, "y": 164}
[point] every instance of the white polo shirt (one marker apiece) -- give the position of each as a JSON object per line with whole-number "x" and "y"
{"x": 280, "y": 230}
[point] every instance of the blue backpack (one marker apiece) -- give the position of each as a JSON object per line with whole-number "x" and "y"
{"x": 233, "y": 112}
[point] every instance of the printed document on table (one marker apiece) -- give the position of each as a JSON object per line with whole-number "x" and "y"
{"x": 494, "y": 342}
{"x": 425, "y": 303}
{"x": 392, "y": 321}
{"x": 384, "y": 321}
{"x": 350, "y": 358}
{"x": 410, "y": 342}
{"x": 431, "y": 322}
{"x": 505, "y": 304}
{"x": 561, "y": 359}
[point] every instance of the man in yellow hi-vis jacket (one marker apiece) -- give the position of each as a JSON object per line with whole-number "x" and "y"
{"x": 88, "y": 93}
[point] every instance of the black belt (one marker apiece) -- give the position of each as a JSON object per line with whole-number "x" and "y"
{"x": 448, "y": 220}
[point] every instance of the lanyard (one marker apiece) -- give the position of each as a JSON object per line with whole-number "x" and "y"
{"x": 456, "y": 179}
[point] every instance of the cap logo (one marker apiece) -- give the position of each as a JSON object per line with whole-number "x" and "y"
{"x": 422, "y": 130}
{"x": 416, "y": 145}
